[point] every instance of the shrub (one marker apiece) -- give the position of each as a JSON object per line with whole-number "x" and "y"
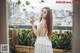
{"x": 62, "y": 40}
{"x": 26, "y": 37}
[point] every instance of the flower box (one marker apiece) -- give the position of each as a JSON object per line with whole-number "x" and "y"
{"x": 30, "y": 49}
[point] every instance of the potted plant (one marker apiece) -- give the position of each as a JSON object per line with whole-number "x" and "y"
{"x": 26, "y": 39}
{"x": 62, "y": 41}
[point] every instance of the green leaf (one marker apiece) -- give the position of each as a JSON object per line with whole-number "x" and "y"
{"x": 27, "y": 2}
{"x": 19, "y": 2}
{"x": 24, "y": 9}
{"x": 42, "y": 1}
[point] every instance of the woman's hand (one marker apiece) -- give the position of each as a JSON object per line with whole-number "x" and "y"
{"x": 32, "y": 21}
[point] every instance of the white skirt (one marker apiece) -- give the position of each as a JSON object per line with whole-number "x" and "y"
{"x": 43, "y": 45}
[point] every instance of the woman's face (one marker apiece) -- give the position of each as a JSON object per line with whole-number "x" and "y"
{"x": 43, "y": 13}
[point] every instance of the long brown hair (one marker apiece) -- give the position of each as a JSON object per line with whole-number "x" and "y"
{"x": 49, "y": 21}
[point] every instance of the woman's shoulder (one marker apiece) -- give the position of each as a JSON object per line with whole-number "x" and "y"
{"x": 43, "y": 23}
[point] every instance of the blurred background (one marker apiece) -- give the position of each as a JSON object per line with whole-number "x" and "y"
{"x": 20, "y": 30}
{"x": 21, "y": 10}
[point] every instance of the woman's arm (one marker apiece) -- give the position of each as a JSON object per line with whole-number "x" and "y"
{"x": 39, "y": 29}
{"x": 36, "y": 31}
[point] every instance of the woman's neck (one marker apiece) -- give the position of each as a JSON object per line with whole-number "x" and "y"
{"x": 43, "y": 19}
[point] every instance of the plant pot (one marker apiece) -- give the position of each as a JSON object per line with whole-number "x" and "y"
{"x": 61, "y": 51}
{"x": 26, "y": 49}
{"x": 30, "y": 49}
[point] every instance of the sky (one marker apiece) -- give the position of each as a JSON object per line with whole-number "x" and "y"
{"x": 49, "y": 3}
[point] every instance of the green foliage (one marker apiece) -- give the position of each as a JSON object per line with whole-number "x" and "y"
{"x": 19, "y": 2}
{"x": 42, "y": 1}
{"x": 24, "y": 9}
{"x": 59, "y": 40}
{"x": 62, "y": 40}
{"x": 26, "y": 37}
{"x": 27, "y": 2}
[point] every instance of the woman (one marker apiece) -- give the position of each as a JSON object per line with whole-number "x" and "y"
{"x": 43, "y": 32}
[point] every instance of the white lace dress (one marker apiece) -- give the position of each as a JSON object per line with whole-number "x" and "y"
{"x": 43, "y": 44}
